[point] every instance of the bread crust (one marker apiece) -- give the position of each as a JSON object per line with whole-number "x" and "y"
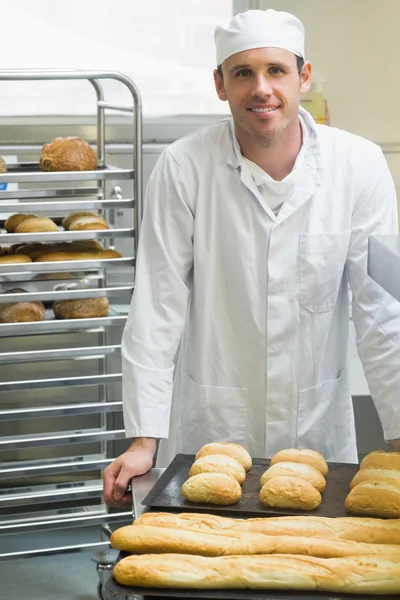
{"x": 364, "y": 575}
{"x": 3, "y": 165}
{"x": 219, "y": 463}
{"x": 36, "y": 225}
{"x": 87, "y": 223}
{"x": 290, "y": 492}
{"x": 14, "y": 258}
{"x": 66, "y": 222}
{"x": 305, "y": 455}
{"x": 291, "y": 469}
{"x": 21, "y": 312}
{"x": 13, "y": 221}
{"x": 68, "y": 154}
{"x": 234, "y": 450}
{"x": 83, "y": 308}
{"x": 381, "y": 460}
{"x": 384, "y": 475}
{"x": 212, "y": 488}
{"x": 375, "y": 499}
{"x": 84, "y": 255}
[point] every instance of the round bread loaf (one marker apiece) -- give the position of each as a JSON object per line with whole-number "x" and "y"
{"x": 87, "y": 223}
{"x": 36, "y": 225}
{"x": 66, "y": 222}
{"x": 375, "y": 499}
{"x": 384, "y": 475}
{"x": 219, "y": 463}
{"x": 290, "y": 492}
{"x": 12, "y": 222}
{"x": 68, "y": 154}
{"x": 381, "y": 460}
{"x": 292, "y": 469}
{"x": 234, "y": 450}
{"x": 3, "y": 165}
{"x": 84, "y": 308}
{"x": 305, "y": 456}
{"x": 21, "y": 312}
{"x": 213, "y": 488}
{"x": 14, "y": 258}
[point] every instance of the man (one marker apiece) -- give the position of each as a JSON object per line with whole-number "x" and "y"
{"x": 253, "y": 229}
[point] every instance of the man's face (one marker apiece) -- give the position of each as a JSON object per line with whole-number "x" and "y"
{"x": 263, "y": 89}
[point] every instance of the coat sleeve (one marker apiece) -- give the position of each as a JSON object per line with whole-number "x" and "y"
{"x": 159, "y": 303}
{"x": 376, "y": 314}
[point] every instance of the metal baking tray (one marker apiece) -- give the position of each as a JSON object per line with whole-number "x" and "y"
{"x": 114, "y": 591}
{"x": 32, "y": 173}
{"x": 65, "y": 265}
{"x": 65, "y": 236}
{"x": 166, "y": 493}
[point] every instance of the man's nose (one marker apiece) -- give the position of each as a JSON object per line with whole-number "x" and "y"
{"x": 262, "y": 87}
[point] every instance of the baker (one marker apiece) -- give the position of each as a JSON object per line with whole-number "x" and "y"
{"x": 253, "y": 229}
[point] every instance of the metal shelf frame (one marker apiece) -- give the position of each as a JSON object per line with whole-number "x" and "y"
{"x": 60, "y": 193}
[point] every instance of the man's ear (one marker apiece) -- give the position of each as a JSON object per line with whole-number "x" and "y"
{"x": 219, "y": 86}
{"x": 305, "y": 77}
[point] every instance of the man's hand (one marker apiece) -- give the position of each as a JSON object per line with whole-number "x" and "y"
{"x": 395, "y": 445}
{"x": 137, "y": 460}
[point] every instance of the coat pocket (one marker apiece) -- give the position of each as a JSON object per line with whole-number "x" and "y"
{"x": 211, "y": 414}
{"x": 326, "y": 420}
{"x": 322, "y": 258}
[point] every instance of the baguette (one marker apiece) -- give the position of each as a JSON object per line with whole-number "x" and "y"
{"x": 363, "y": 575}
{"x": 306, "y": 456}
{"x": 234, "y": 450}
{"x": 145, "y": 538}
{"x": 84, "y": 255}
{"x": 357, "y": 529}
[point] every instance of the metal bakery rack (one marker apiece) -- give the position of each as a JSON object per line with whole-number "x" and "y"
{"x": 60, "y": 395}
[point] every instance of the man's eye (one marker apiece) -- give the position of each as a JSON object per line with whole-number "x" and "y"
{"x": 243, "y": 73}
{"x": 275, "y": 70}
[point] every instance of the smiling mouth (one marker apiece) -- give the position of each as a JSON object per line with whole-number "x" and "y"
{"x": 264, "y": 110}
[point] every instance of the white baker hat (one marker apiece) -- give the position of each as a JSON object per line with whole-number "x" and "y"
{"x": 259, "y": 29}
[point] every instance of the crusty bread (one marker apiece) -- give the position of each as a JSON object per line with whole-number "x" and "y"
{"x": 212, "y": 488}
{"x": 83, "y": 255}
{"x": 143, "y": 539}
{"x": 13, "y": 221}
{"x": 306, "y": 456}
{"x": 68, "y": 154}
{"x": 292, "y": 469}
{"x": 290, "y": 492}
{"x": 14, "y": 258}
{"x": 362, "y": 575}
{"x": 66, "y": 222}
{"x": 87, "y": 223}
{"x": 3, "y": 165}
{"x": 37, "y": 249}
{"x": 219, "y": 463}
{"x": 384, "y": 475}
{"x": 381, "y": 460}
{"x": 36, "y": 225}
{"x": 21, "y": 312}
{"x": 375, "y": 499}
{"x": 358, "y": 529}
{"x": 234, "y": 450}
{"x": 83, "y": 308}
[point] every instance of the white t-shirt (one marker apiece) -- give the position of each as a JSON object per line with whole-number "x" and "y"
{"x": 274, "y": 192}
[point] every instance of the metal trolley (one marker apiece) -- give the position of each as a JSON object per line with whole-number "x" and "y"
{"x": 50, "y": 465}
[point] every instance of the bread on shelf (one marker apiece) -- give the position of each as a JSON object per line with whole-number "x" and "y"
{"x": 68, "y": 154}
{"x": 13, "y": 221}
{"x": 21, "y": 312}
{"x": 3, "y": 165}
{"x": 36, "y": 225}
{"x": 9, "y": 259}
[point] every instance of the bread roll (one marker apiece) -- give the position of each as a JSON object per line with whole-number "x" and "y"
{"x": 384, "y": 475}
{"x": 143, "y": 539}
{"x": 66, "y": 222}
{"x": 12, "y": 222}
{"x": 87, "y": 223}
{"x": 3, "y": 165}
{"x": 68, "y": 154}
{"x": 83, "y": 308}
{"x": 83, "y": 255}
{"x": 21, "y": 312}
{"x": 234, "y": 450}
{"x": 213, "y": 488}
{"x": 14, "y": 258}
{"x": 290, "y": 492}
{"x": 381, "y": 460}
{"x": 357, "y": 529}
{"x": 362, "y": 575}
{"x": 36, "y": 225}
{"x": 290, "y": 469}
{"x": 219, "y": 463}
{"x": 375, "y": 498}
{"x": 306, "y": 456}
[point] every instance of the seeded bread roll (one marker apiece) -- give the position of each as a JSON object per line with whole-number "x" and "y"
{"x": 375, "y": 499}
{"x": 68, "y": 154}
{"x": 36, "y": 225}
{"x": 292, "y": 469}
{"x": 234, "y": 450}
{"x": 357, "y": 529}
{"x": 362, "y": 575}
{"x": 21, "y": 312}
{"x": 12, "y": 222}
{"x": 14, "y": 258}
{"x": 290, "y": 492}
{"x": 305, "y": 456}
{"x": 384, "y": 475}
{"x": 212, "y": 488}
{"x": 219, "y": 463}
{"x": 381, "y": 460}
{"x": 84, "y": 308}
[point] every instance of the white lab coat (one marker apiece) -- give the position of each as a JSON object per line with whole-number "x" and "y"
{"x": 255, "y": 307}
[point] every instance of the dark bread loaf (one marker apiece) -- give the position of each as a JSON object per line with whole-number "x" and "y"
{"x": 68, "y": 154}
